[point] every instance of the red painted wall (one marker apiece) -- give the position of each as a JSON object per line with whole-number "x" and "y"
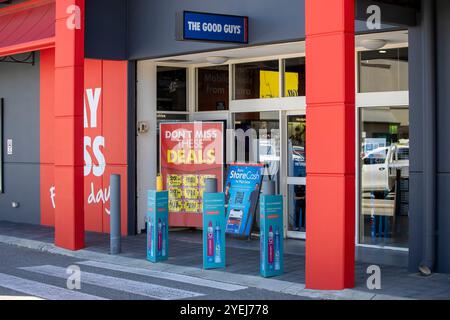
{"x": 105, "y": 139}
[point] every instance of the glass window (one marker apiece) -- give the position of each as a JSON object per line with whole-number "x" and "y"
{"x": 297, "y": 146}
{"x": 171, "y": 89}
{"x": 384, "y": 171}
{"x": 213, "y": 88}
{"x": 257, "y": 80}
{"x": 161, "y": 118}
{"x": 295, "y": 77}
{"x": 383, "y": 70}
{"x": 296, "y": 127}
{"x": 262, "y": 142}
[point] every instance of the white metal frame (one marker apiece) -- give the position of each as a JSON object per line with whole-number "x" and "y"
{"x": 290, "y": 180}
{"x": 288, "y": 106}
{"x": 372, "y": 100}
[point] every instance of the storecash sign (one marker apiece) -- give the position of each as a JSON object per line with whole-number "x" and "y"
{"x": 190, "y": 153}
{"x": 105, "y": 145}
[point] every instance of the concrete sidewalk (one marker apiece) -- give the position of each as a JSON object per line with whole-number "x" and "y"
{"x": 243, "y": 263}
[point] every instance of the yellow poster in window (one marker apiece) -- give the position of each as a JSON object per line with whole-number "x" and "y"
{"x": 270, "y": 85}
{"x": 190, "y": 180}
{"x": 191, "y": 206}
{"x": 174, "y": 193}
{"x": 173, "y": 180}
{"x": 191, "y": 193}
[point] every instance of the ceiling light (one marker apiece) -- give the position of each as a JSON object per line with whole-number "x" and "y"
{"x": 217, "y": 60}
{"x": 373, "y": 44}
{"x": 382, "y": 51}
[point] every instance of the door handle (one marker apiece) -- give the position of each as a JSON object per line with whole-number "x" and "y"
{"x": 382, "y": 169}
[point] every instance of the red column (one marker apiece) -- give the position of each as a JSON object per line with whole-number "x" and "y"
{"x": 330, "y": 95}
{"x": 69, "y": 125}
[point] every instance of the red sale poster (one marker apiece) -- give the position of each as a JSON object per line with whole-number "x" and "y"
{"x": 190, "y": 153}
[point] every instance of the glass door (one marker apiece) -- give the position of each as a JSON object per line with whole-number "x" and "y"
{"x": 296, "y": 175}
{"x": 222, "y": 117}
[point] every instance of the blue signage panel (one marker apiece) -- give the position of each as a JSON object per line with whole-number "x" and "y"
{"x": 271, "y": 235}
{"x": 213, "y": 230}
{"x": 158, "y": 226}
{"x": 215, "y": 27}
{"x": 241, "y": 197}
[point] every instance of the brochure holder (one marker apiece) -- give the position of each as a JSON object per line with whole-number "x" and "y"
{"x": 271, "y": 236}
{"x": 158, "y": 226}
{"x": 213, "y": 230}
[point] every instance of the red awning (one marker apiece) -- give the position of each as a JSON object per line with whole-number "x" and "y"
{"x": 32, "y": 24}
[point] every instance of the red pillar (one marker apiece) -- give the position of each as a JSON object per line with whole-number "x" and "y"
{"x": 330, "y": 95}
{"x": 69, "y": 125}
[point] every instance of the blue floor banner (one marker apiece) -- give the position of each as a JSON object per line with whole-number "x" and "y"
{"x": 242, "y": 191}
{"x": 271, "y": 235}
{"x": 157, "y": 226}
{"x": 213, "y": 231}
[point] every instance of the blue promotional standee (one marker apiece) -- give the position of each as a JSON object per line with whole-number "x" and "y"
{"x": 213, "y": 230}
{"x": 158, "y": 226}
{"x": 242, "y": 190}
{"x": 271, "y": 230}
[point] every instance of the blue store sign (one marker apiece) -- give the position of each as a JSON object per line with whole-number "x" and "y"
{"x": 214, "y": 27}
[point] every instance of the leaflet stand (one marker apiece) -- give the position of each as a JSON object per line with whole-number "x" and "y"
{"x": 158, "y": 226}
{"x": 271, "y": 238}
{"x": 214, "y": 224}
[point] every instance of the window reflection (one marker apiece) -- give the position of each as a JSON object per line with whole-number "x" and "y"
{"x": 171, "y": 89}
{"x": 384, "y": 176}
{"x": 213, "y": 88}
{"x": 295, "y": 77}
{"x": 257, "y": 80}
{"x": 383, "y": 70}
{"x": 297, "y": 168}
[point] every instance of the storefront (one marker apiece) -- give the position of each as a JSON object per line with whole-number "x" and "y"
{"x": 197, "y": 90}
{"x": 362, "y": 187}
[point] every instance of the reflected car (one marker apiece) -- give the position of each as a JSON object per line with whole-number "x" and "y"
{"x": 380, "y": 166}
{"x": 299, "y": 160}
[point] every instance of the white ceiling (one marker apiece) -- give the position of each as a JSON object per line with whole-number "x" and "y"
{"x": 392, "y": 38}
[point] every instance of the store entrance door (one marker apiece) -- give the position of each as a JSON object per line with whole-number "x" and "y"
{"x": 296, "y": 175}
{"x": 222, "y": 117}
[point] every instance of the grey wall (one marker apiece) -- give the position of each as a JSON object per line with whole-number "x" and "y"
{"x": 19, "y": 86}
{"x": 152, "y": 34}
{"x": 140, "y": 29}
{"x": 106, "y": 26}
{"x": 443, "y": 142}
{"x": 416, "y": 163}
{"x": 443, "y": 134}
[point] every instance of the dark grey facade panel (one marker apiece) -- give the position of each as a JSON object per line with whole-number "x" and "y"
{"x": 415, "y": 220}
{"x": 416, "y": 148}
{"x": 417, "y": 153}
{"x": 443, "y": 134}
{"x": 416, "y": 198}
{"x": 21, "y": 186}
{"x": 139, "y": 29}
{"x": 19, "y": 86}
{"x": 415, "y": 99}
{"x": 443, "y": 81}
{"x": 106, "y": 29}
{"x": 132, "y": 149}
{"x": 151, "y": 25}
{"x": 443, "y": 222}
